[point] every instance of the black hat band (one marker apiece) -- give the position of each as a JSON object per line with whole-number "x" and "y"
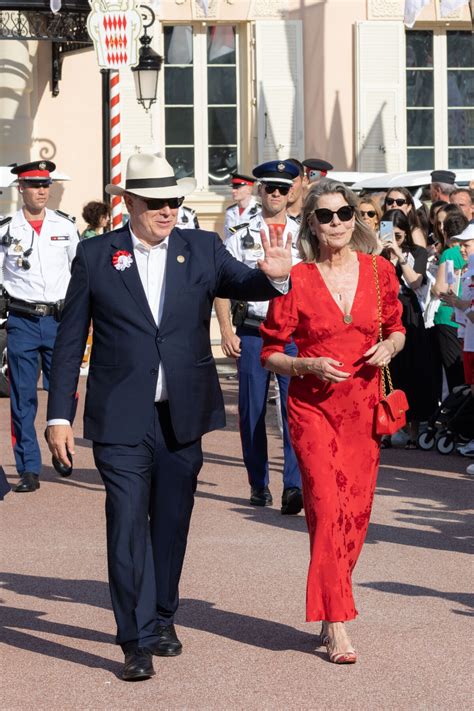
{"x": 151, "y": 183}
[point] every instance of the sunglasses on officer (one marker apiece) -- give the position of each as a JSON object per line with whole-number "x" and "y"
{"x": 398, "y": 201}
{"x": 159, "y": 203}
{"x": 325, "y": 216}
{"x": 282, "y": 189}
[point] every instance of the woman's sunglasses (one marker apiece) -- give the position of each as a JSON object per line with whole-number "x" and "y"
{"x": 159, "y": 203}
{"x": 398, "y": 201}
{"x": 325, "y": 216}
{"x": 369, "y": 213}
{"x": 282, "y": 189}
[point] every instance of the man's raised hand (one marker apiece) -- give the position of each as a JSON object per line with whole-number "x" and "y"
{"x": 277, "y": 262}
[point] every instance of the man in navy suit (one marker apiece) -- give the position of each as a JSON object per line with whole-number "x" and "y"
{"x": 152, "y": 390}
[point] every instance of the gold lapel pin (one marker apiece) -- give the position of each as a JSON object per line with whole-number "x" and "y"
{"x": 180, "y": 258}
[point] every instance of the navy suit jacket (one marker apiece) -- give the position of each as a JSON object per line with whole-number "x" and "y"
{"x": 127, "y": 345}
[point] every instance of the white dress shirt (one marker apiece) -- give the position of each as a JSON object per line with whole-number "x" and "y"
{"x": 151, "y": 265}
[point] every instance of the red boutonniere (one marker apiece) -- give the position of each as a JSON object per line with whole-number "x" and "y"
{"x": 122, "y": 260}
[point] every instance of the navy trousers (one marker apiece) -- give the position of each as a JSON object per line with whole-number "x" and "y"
{"x": 253, "y": 391}
{"x": 149, "y": 500}
{"x": 28, "y": 340}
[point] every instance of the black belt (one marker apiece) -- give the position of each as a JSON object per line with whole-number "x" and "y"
{"x": 253, "y": 321}
{"x": 28, "y": 308}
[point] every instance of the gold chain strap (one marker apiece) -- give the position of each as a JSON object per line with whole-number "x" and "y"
{"x": 385, "y": 371}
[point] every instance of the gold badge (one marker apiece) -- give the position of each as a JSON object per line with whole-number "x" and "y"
{"x": 281, "y": 167}
{"x": 180, "y": 259}
{"x": 18, "y": 248}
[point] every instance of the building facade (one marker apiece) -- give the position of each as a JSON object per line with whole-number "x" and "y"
{"x": 254, "y": 80}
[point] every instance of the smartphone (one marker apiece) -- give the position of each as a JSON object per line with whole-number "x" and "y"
{"x": 386, "y": 231}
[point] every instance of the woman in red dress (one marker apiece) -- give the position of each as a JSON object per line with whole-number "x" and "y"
{"x": 331, "y": 313}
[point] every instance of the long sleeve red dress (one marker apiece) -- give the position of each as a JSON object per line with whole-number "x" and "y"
{"x": 332, "y": 424}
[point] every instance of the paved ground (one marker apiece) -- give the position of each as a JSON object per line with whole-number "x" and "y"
{"x": 246, "y": 645}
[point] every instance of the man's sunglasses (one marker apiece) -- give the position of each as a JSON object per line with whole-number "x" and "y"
{"x": 369, "y": 213}
{"x": 282, "y": 189}
{"x": 159, "y": 203}
{"x": 325, "y": 216}
{"x": 398, "y": 201}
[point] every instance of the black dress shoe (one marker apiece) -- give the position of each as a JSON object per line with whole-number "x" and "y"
{"x": 138, "y": 665}
{"x": 260, "y": 497}
{"x": 28, "y": 482}
{"x": 168, "y": 644}
{"x": 61, "y": 468}
{"x": 291, "y": 501}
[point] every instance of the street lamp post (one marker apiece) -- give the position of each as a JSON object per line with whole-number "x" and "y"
{"x": 145, "y": 73}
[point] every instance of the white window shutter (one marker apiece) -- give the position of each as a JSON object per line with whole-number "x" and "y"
{"x": 381, "y": 97}
{"x": 280, "y": 99}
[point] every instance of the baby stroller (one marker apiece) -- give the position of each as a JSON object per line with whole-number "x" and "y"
{"x": 452, "y": 421}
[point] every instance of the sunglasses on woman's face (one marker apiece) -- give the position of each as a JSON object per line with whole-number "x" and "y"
{"x": 398, "y": 201}
{"x": 159, "y": 203}
{"x": 325, "y": 216}
{"x": 369, "y": 213}
{"x": 282, "y": 189}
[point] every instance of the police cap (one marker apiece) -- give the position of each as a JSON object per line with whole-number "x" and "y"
{"x": 239, "y": 179}
{"x": 316, "y": 168}
{"x": 276, "y": 172}
{"x": 443, "y": 176}
{"x": 37, "y": 171}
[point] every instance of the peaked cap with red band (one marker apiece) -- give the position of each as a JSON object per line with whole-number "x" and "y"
{"x": 37, "y": 171}
{"x": 239, "y": 179}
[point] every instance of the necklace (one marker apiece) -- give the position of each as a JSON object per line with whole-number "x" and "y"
{"x": 335, "y": 283}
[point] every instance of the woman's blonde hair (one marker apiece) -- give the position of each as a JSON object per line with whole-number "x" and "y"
{"x": 367, "y": 200}
{"x": 363, "y": 238}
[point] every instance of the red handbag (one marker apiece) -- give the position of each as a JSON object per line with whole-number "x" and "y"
{"x": 390, "y": 412}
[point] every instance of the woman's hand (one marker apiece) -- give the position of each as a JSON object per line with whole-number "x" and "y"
{"x": 325, "y": 369}
{"x": 449, "y": 298}
{"x": 381, "y": 354}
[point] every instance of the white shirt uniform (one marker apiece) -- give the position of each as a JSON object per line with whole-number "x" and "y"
{"x": 246, "y": 246}
{"x": 233, "y": 216}
{"x": 187, "y": 219}
{"x": 50, "y": 260}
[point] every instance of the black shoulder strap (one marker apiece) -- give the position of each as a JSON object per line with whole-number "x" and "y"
{"x": 5, "y": 221}
{"x": 71, "y": 218}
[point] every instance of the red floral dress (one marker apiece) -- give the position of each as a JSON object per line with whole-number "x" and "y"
{"x": 332, "y": 424}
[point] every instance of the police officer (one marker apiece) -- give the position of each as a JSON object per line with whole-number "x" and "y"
{"x": 316, "y": 168}
{"x": 187, "y": 219}
{"x": 37, "y": 246}
{"x": 276, "y": 179}
{"x": 297, "y": 193}
{"x": 245, "y": 206}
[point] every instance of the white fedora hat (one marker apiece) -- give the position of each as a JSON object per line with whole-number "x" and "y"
{"x": 151, "y": 176}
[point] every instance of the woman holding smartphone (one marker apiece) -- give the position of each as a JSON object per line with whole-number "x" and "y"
{"x": 412, "y": 371}
{"x": 402, "y": 199}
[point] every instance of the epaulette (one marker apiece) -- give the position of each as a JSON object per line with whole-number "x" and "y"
{"x": 71, "y": 218}
{"x": 254, "y": 210}
{"x": 189, "y": 209}
{"x": 231, "y": 206}
{"x": 5, "y": 221}
{"x": 236, "y": 228}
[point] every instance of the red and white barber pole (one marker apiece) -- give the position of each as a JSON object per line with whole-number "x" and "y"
{"x": 115, "y": 147}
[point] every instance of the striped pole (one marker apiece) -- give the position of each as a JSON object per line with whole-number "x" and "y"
{"x": 115, "y": 147}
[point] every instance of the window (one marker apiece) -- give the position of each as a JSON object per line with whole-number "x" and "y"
{"x": 201, "y": 101}
{"x": 440, "y": 99}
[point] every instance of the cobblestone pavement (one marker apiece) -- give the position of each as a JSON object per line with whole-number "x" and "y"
{"x": 241, "y": 620}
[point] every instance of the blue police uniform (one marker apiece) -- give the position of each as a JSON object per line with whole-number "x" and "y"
{"x": 36, "y": 273}
{"x": 245, "y": 245}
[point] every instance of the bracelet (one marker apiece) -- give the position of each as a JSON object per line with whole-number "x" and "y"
{"x": 293, "y": 368}
{"x": 403, "y": 262}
